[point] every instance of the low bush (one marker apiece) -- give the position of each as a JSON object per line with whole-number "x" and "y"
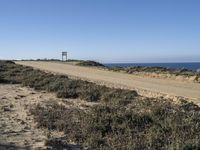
{"x": 90, "y": 63}
{"x": 119, "y": 94}
{"x": 2, "y": 80}
{"x": 58, "y": 117}
{"x": 145, "y": 124}
{"x": 158, "y": 70}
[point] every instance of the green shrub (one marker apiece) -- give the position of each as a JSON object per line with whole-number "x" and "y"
{"x": 2, "y": 80}
{"x": 90, "y": 63}
{"x": 119, "y": 94}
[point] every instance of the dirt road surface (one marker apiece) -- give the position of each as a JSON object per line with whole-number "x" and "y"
{"x": 162, "y": 86}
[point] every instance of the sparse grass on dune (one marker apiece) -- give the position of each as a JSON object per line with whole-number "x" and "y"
{"x": 120, "y": 120}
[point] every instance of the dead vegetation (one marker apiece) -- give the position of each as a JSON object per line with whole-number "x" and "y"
{"x": 121, "y": 120}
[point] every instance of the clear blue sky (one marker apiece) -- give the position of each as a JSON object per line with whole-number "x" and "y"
{"x": 102, "y": 30}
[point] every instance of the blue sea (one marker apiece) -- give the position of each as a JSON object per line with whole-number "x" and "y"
{"x": 192, "y": 66}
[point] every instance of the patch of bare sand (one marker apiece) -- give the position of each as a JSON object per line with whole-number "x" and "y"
{"x": 17, "y": 127}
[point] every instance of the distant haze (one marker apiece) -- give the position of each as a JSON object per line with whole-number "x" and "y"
{"x": 101, "y": 30}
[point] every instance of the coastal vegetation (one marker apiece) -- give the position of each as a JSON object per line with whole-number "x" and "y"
{"x": 86, "y": 63}
{"x": 141, "y": 124}
{"x": 160, "y": 72}
{"x": 181, "y": 71}
{"x": 120, "y": 119}
{"x": 90, "y": 63}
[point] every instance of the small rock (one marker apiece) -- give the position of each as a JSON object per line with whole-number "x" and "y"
{"x": 23, "y": 122}
{"x": 11, "y": 106}
{"x": 21, "y": 96}
{"x": 16, "y": 97}
{"x": 27, "y": 128}
{"x": 26, "y": 142}
{"x": 6, "y": 108}
{"x": 27, "y": 118}
{"x": 18, "y": 120}
{"x": 32, "y": 93}
{"x": 4, "y": 97}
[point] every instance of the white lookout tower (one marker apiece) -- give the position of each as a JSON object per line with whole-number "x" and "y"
{"x": 64, "y": 56}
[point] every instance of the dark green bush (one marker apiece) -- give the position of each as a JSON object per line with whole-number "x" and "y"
{"x": 90, "y": 63}
{"x": 2, "y": 80}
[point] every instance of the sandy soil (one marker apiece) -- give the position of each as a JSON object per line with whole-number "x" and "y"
{"x": 146, "y": 86}
{"x": 17, "y": 127}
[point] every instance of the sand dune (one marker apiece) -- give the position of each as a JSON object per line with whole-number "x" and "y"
{"x": 168, "y": 87}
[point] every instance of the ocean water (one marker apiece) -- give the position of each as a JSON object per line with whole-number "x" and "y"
{"x": 192, "y": 66}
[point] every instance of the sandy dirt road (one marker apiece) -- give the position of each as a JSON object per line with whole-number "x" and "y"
{"x": 168, "y": 87}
